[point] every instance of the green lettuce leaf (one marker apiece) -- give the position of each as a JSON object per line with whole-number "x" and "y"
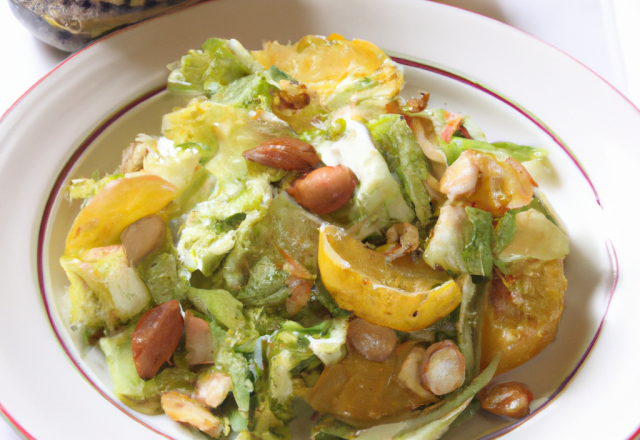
{"x": 105, "y": 291}
{"x": 263, "y": 422}
{"x": 506, "y": 227}
{"x": 478, "y": 238}
{"x": 469, "y": 324}
{"x": 478, "y": 141}
{"x": 529, "y": 234}
{"x": 205, "y": 71}
{"x": 266, "y": 285}
{"x": 219, "y": 304}
{"x": 261, "y": 248}
{"x": 175, "y": 164}
{"x": 205, "y": 240}
{"x": 252, "y": 92}
{"x": 405, "y": 159}
{"x": 329, "y": 345}
{"x": 237, "y": 367}
{"x": 161, "y": 274}
{"x": 290, "y": 350}
{"x": 501, "y": 150}
{"x": 461, "y": 241}
{"x": 444, "y": 247}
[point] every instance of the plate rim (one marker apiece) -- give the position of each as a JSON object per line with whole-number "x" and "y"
{"x": 3, "y": 410}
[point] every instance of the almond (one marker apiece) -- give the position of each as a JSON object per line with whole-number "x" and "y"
{"x": 325, "y": 189}
{"x": 142, "y": 237}
{"x": 284, "y": 153}
{"x": 156, "y": 337}
{"x": 198, "y": 340}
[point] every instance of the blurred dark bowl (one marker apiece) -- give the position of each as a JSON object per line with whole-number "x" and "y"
{"x": 71, "y": 24}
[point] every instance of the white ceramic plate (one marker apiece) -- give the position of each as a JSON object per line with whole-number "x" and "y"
{"x": 81, "y": 116}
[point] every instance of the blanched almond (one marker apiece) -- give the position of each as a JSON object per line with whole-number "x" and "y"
{"x": 325, "y": 189}
{"x": 442, "y": 368}
{"x": 212, "y": 388}
{"x": 374, "y": 342}
{"x": 284, "y": 153}
{"x": 198, "y": 340}
{"x": 184, "y": 409}
{"x": 409, "y": 375}
{"x": 143, "y": 237}
{"x": 509, "y": 399}
{"x": 156, "y": 337}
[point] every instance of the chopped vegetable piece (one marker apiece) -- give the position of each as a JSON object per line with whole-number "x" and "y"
{"x": 403, "y": 295}
{"x": 523, "y": 312}
{"x": 120, "y": 203}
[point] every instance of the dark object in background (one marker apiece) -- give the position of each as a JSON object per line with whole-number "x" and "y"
{"x": 71, "y": 24}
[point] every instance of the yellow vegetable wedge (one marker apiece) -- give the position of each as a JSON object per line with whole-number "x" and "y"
{"x": 523, "y": 312}
{"x": 405, "y": 295}
{"x": 120, "y": 203}
{"x": 326, "y": 64}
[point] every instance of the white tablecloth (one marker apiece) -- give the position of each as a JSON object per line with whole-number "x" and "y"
{"x": 602, "y": 34}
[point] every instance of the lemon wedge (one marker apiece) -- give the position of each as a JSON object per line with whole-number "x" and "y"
{"x": 120, "y": 203}
{"x": 405, "y": 295}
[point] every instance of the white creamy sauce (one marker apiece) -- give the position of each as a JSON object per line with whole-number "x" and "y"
{"x": 377, "y": 189}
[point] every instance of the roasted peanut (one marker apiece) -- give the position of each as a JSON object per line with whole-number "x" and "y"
{"x": 509, "y": 399}
{"x": 325, "y": 189}
{"x": 156, "y": 337}
{"x": 374, "y": 342}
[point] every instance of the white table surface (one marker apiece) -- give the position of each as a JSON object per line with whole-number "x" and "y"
{"x": 601, "y": 34}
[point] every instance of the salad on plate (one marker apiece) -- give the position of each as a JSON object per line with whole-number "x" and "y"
{"x": 303, "y": 241}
